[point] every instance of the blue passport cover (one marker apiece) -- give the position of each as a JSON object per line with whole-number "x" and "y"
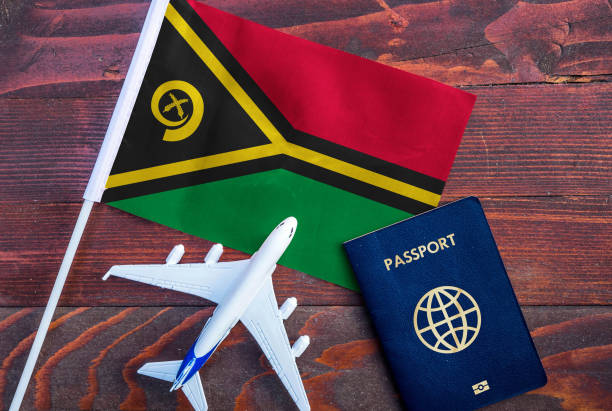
{"x": 444, "y": 309}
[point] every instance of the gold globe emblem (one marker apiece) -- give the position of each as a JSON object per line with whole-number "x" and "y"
{"x": 447, "y": 319}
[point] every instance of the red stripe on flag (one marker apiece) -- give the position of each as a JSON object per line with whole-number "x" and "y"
{"x": 379, "y": 110}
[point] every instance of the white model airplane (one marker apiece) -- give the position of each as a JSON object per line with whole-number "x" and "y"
{"x": 243, "y": 291}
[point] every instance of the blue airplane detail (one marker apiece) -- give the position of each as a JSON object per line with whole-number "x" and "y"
{"x": 191, "y": 365}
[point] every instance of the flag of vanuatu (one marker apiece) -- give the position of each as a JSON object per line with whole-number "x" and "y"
{"x": 237, "y": 126}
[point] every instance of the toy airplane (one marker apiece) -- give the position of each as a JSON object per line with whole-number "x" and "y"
{"x": 243, "y": 291}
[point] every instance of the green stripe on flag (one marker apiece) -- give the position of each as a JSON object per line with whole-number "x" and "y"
{"x": 327, "y": 216}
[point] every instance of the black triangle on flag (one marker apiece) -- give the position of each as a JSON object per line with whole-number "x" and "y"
{"x": 183, "y": 112}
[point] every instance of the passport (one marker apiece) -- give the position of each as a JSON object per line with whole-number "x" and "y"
{"x": 444, "y": 310}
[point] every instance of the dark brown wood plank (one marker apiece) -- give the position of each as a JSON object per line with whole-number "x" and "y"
{"x": 272, "y": 13}
{"x": 91, "y": 356}
{"x": 126, "y": 18}
{"x": 556, "y": 251}
{"x": 536, "y": 140}
{"x": 527, "y": 140}
{"x": 53, "y": 50}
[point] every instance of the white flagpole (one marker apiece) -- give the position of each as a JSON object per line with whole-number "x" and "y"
{"x": 99, "y": 175}
{"x": 126, "y": 100}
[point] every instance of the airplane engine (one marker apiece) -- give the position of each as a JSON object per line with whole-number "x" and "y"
{"x": 214, "y": 254}
{"x": 300, "y": 345}
{"x": 288, "y": 307}
{"x": 176, "y": 254}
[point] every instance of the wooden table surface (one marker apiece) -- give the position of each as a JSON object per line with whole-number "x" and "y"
{"x": 537, "y": 151}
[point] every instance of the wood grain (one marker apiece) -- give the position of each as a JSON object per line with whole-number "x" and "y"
{"x": 7, "y": 373}
{"x": 532, "y": 140}
{"x": 536, "y": 140}
{"x": 574, "y": 344}
{"x": 556, "y": 251}
{"x": 61, "y": 45}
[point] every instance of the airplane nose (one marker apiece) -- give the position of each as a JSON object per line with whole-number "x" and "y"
{"x": 289, "y": 224}
{"x": 291, "y": 221}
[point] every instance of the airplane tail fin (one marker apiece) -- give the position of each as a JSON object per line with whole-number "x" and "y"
{"x": 166, "y": 370}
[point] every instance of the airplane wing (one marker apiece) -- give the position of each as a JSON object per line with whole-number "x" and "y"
{"x": 263, "y": 319}
{"x": 167, "y": 370}
{"x": 210, "y": 281}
